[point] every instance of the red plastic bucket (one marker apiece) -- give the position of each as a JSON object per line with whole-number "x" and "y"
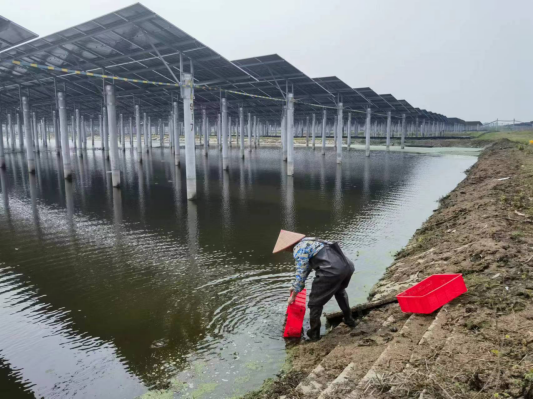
{"x": 295, "y": 316}
{"x": 432, "y": 293}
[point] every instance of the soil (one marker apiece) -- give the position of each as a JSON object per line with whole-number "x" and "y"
{"x": 484, "y": 230}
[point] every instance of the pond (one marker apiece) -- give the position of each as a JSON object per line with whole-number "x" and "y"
{"x": 138, "y": 292}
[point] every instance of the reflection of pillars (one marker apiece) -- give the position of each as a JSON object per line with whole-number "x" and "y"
{"x": 177, "y": 191}
{"x": 58, "y": 168}
{"x": 69, "y": 199}
{"x": 242, "y": 183}
{"x": 226, "y": 202}
{"x": 366, "y": 179}
{"x": 27, "y": 129}
{"x": 290, "y": 222}
{"x": 91, "y": 127}
{"x": 78, "y": 133}
{"x": 219, "y": 133}
{"x": 112, "y": 118}
{"x": 11, "y": 132}
{"x": 188, "y": 123}
{"x": 192, "y": 228}
{"x": 290, "y": 134}
{"x": 117, "y": 213}
{"x": 131, "y": 134}
{"x": 313, "y": 132}
{"x": 205, "y": 165}
{"x": 5, "y": 196}
{"x": 105, "y": 121}
{"x": 122, "y": 134}
{"x": 35, "y": 210}
{"x": 337, "y": 203}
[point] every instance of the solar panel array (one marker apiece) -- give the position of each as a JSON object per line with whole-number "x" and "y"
{"x": 141, "y": 46}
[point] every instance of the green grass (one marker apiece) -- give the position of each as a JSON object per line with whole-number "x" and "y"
{"x": 514, "y": 136}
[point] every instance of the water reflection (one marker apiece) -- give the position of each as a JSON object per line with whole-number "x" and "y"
{"x": 118, "y": 291}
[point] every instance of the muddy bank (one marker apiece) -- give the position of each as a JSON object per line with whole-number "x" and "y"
{"x": 478, "y": 346}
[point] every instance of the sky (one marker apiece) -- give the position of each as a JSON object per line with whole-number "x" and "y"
{"x": 471, "y": 59}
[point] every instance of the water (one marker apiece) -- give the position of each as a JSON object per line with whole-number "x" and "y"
{"x": 137, "y": 292}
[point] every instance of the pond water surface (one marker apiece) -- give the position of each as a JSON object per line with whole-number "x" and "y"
{"x": 138, "y": 292}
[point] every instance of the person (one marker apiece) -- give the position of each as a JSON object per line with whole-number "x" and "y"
{"x": 333, "y": 271}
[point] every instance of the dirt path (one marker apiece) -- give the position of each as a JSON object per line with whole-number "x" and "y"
{"x": 481, "y": 344}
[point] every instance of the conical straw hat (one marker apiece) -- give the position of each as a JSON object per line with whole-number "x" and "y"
{"x": 286, "y": 239}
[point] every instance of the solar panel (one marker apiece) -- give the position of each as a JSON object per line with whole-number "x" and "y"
{"x": 12, "y": 34}
{"x": 350, "y": 98}
{"x": 378, "y": 102}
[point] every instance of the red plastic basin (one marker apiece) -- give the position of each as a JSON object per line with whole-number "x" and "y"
{"x": 432, "y": 293}
{"x": 295, "y": 316}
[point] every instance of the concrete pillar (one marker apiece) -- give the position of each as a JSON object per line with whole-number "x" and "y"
{"x": 367, "y": 131}
{"x": 83, "y": 134}
{"x": 2, "y": 158}
{"x": 78, "y": 132}
{"x": 20, "y": 132}
{"x": 188, "y": 124}
{"x": 9, "y": 128}
{"x": 105, "y": 146}
{"x": 122, "y": 134}
{"x": 349, "y": 132}
{"x": 176, "y": 132}
{"x": 324, "y": 116}
{"x": 404, "y": 129}
{"x": 254, "y": 131}
{"x": 145, "y": 131}
{"x": 149, "y": 128}
{"x": 204, "y": 131}
{"x": 389, "y": 121}
{"x": 160, "y": 130}
{"x": 44, "y": 133}
{"x": 27, "y": 130}
{"x": 219, "y": 133}
{"x": 63, "y": 126}
{"x": 284, "y": 134}
{"x": 130, "y": 132}
{"x": 290, "y": 134}
{"x": 112, "y": 123}
{"x": 249, "y": 132}
{"x": 241, "y": 130}
{"x": 225, "y": 165}
{"x": 138, "y": 132}
{"x": 35, "y": 133}
{"x": 307, "y": 131}
{"x": 340, "y": 122}
{"x": 91, "y": 127}
{"x": 313, "y": 132}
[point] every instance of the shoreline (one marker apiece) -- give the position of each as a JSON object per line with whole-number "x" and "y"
{"x": 477, "y": 346}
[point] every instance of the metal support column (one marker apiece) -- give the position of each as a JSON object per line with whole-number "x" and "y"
{"x": 284, "y": 133}
{"x": 349, "y": 132}
{"x": 340, "y": 122}
{"x": 138, "y": 132}
{"x": 27, "y": 130}
{"x": 63, "y": 121}
{"x": 241, "y": 131}
{"x": 112, "y": 122}
{"x": 389, "y": 121}
{"x": 176, "y": 128}
{"x": 324, "y": 116}
{"x": 188, "y": 123}
{"x": 204, "y": 131}
{"x": 290, "y": 134}
{"x": 122, "y": 135}
{"x": 404, "y": 129}
{"x": 225, "y": 165}
{"x": 367, "y": 130}
{"x": 35, "y": 134}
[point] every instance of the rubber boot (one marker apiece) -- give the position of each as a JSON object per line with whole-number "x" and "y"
{"x": 344, "y": 304}
{"x": 314, "y": 320}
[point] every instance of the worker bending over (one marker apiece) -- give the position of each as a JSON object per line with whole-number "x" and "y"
{"x": 333, "y": 271}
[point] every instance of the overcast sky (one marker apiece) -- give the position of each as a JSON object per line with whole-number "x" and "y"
{"x": 466, "y": 59}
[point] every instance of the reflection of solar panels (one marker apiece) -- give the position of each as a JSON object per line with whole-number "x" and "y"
{"x": 12, "y": 34}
